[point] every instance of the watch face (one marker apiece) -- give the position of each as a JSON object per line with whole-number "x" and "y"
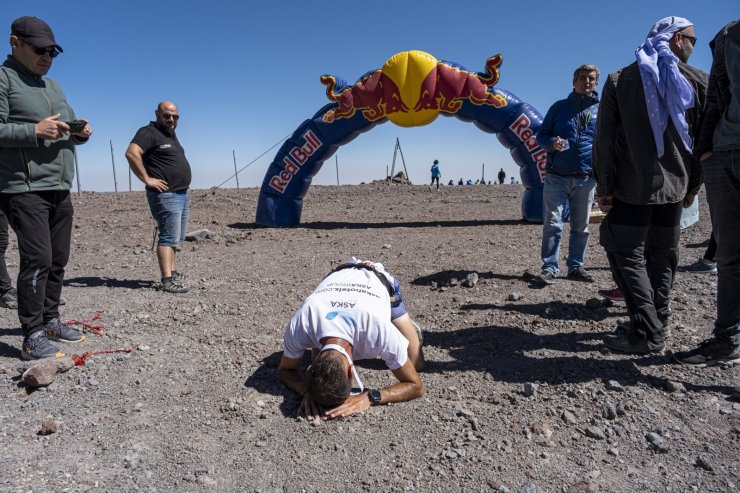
{"x": 374, "y": 396}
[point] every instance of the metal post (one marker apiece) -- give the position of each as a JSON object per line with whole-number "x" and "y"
{"x": 483, "y": 173}
{"x": 336, "y": 160}
{"x": 77, "y": 171}
{"x": 236, "y": 173}
{"x": 113, "y": 163}
{"x": 398, "y": 143}
{"x": 129, "y": 178}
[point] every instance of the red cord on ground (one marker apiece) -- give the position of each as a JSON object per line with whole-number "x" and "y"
{"x": 95, "y": 329}
{"x": 80, "y": 360}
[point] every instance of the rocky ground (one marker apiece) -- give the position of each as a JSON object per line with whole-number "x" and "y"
{"x": 521, "y": 395}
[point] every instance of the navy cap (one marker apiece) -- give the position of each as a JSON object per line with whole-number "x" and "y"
{"x": 35, "y": 32}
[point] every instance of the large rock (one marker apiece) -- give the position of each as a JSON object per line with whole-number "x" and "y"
{"x": 43, "y": 372}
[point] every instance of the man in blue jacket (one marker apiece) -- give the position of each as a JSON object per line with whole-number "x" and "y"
{"x": 567, "y": 133}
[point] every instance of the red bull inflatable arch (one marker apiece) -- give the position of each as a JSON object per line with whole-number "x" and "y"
{"x": 411, "y": 89}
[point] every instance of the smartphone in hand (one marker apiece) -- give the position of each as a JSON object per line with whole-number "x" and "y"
{"x": 76, "y": 126}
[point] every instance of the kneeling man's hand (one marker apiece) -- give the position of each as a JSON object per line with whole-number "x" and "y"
{"x": 354, "y": 404}
{"x": 309, "y": 409}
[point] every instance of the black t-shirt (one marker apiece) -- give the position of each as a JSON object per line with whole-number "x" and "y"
{"x": 164, "y": 157}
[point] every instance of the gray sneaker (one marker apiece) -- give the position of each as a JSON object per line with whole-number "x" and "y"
{"x": 37, "y": 346}
{"x": 580, "y": 274}
{"x": 545, "y": 278}
{"x": 9, "y": 299}
{"x": 172, "y": 287}
{"x": 57, "y": 330}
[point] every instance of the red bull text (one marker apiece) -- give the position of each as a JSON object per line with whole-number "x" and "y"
{"x": 294, "y": 160}
{"x": 522, "y": 129}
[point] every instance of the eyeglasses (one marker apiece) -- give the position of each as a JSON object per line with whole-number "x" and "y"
{"x": 50, "y": 50}
{"x": 692, "y": 39}
{"x": 165, "y": 116}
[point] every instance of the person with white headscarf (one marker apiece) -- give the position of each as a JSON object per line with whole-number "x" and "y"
{"x": 646, "y": 173}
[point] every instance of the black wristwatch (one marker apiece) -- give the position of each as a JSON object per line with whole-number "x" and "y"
{"x": 374, "y": 396}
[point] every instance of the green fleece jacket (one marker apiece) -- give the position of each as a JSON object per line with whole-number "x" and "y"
{"x": 28, "y": 164}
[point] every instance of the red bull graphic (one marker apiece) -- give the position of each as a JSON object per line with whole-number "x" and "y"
{"x": 412, "y": 88}
{"x": 446, "y": 87}
{"x": 376, "y": 95}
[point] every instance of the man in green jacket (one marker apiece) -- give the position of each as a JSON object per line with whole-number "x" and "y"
{"x": 38, "y": 131}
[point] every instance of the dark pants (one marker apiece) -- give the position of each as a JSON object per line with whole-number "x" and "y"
{"x": 42, "y": 221}
{"x": 5, "y": 284}
{"x": 711, "y": 253}
{"x": 722, "y": 181}
{"x": 435, "y": 178}
{"x": 641, "y": 244}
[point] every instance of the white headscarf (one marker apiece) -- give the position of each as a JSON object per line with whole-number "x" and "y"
{"x": 667, "y": 92}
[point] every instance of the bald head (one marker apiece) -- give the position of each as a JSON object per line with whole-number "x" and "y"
{"x": 167, "y": 114}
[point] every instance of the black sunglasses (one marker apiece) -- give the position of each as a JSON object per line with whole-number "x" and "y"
{"x": 692, "y": 39}
{"x": 51, "y": 50}
{"x": 167, "y": 117}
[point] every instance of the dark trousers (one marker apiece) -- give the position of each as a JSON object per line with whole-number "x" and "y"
{"x": 641, "y": 244}
{"x": 5, "y": 284}
{"x": 42, "y": 221}
{"x": 722, "y": 182}
{"x": 711, "y": 253}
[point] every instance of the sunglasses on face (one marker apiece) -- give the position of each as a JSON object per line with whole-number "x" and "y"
{"x": 167, "y": 117}
{"x": 692, "y": 39}
{"x": 50, "y": 50}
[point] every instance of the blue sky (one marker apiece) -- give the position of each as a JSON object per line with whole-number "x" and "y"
{"x": 246, "y": 75}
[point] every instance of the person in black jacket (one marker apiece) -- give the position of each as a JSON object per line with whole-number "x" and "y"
{"x": 718, "y": 147}
{"x": 646, "y": 173}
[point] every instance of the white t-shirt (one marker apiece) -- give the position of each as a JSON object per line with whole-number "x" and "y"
{"x": 353, "y": 305}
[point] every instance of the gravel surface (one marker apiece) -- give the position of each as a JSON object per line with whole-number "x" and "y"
{"x": 520, "y": 395}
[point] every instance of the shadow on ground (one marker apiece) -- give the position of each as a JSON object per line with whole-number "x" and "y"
{"x": 96, "y": 282}
{"x": 395, "y": 224}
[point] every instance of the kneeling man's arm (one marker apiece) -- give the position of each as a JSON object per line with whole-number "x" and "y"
{"x": 409, "y": 387}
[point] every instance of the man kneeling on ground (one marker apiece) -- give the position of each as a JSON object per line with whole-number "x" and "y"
{"x": 356, "y": 312}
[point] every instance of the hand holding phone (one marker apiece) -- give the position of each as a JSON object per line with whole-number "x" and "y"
{"x": 76, "y": 126}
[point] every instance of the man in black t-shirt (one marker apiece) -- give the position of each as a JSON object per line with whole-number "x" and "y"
{"x": 157, "y": 159}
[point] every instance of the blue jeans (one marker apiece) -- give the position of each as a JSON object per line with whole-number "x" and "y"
{"x": 170, "y": 210}
{"x": 579, "y": 192}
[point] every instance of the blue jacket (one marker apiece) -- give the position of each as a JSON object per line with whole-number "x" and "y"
{"x": 574, "y": 119}
{"x": 435, "y": 171}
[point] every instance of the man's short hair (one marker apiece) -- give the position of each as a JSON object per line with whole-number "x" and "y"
{"x": 327, "y": 381}
{"x": 586, "y": 67}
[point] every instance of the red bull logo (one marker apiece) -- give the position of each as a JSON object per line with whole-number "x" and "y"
{"x": 522, "y": 129}
{"x": 375, "y": 95}
{"x": 293, "y": 161}
{"x": 446, "y": 87}
{"x": 412, "y": 89}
